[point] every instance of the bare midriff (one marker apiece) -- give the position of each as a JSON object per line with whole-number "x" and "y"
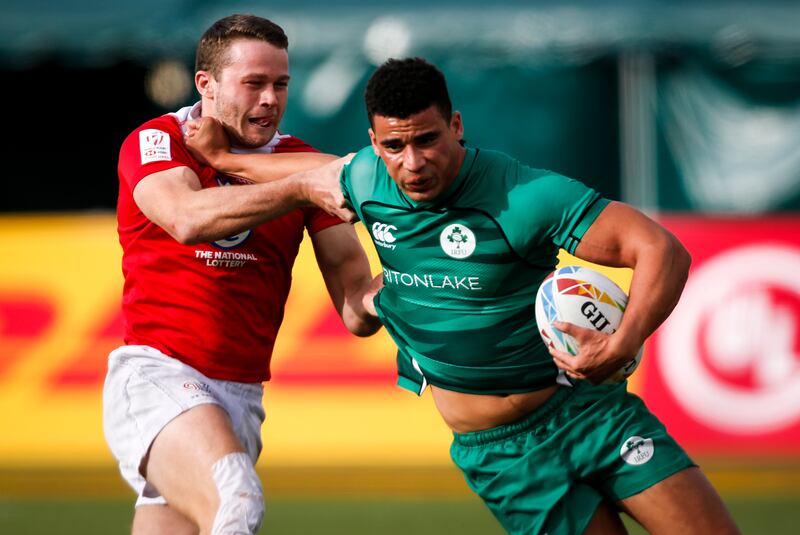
{"x": 465, "y": 413}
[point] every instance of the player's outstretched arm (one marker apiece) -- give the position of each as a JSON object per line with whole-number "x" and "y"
{"x": 175, "y": 200}
{"x": 207, "y": 141}
{"x": 347, "y": 275}
{"x": 624, "y": 237}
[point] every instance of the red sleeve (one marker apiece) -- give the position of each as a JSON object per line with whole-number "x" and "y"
{"x": 155, "y": 146}
{"x": 316, "y": 219}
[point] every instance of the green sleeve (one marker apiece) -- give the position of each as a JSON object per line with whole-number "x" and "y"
{"x": 344, "y": 184}
{"x": 356, "y": 179}
{"x": 549, "y": 211}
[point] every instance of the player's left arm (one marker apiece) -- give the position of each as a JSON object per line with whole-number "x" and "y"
{"x": 207, "y": 141}
{"x": 622, "y": 236}
{"x": 348, "y": 277}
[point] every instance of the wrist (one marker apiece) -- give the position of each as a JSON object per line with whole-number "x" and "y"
{"x": 626, "y": 343}
{"x": 222, "y": 161}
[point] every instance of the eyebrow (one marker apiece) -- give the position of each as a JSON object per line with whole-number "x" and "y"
{"x": 261, "y": 76}
{"x": 421, "y": 138}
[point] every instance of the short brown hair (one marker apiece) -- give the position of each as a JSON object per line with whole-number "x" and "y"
{"x": 213, "y": 46}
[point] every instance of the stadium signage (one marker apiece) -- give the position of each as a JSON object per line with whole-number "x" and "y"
{"x": 724, "y": 370}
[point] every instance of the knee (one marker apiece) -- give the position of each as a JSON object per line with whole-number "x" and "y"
{"x": 241, "y": 498}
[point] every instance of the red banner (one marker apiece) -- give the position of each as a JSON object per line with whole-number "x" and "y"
{"x": 724, "y": 371}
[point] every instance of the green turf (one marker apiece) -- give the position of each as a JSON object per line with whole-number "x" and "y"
{"x": 284, "y": 517}
{"x": 351, "y": 516}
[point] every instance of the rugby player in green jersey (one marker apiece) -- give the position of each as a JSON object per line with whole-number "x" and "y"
{"x": 465, "y": 237}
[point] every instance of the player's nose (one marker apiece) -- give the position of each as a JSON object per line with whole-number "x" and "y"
{"x": 413, "y": 159}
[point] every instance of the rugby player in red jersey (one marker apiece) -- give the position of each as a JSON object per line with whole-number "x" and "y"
{"x": 207, "y": 263}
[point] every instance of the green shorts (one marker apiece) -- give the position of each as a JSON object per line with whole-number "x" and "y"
{"x": 548, "y": 472}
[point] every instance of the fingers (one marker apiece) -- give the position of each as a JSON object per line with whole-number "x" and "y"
{"x": 337, "y": 207}
{"x": 569, "y": 328}
{"x": 346, "y": 215}
{"x": 368, "y": 302}
{"x": 565, "y": 361}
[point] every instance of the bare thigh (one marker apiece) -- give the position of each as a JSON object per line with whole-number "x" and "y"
{"x": 161, "y": 520}
{"x": 684, "y": 503}
{"x": 606, "y": 521}
{"x": 181, "y": 458}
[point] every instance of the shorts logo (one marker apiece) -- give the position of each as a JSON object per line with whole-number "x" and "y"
{"x": 154, "y": 146}
{"x": 457, "y": 241}
{"x": 637, "y": 450}
{"x": 195, "y": 385}
{"x": 383, "y": 235}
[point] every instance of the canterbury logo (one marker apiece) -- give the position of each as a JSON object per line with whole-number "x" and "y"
{"x": 383, "y": 234}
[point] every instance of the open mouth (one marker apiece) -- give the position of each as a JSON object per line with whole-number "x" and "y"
{"x": 263, "y": 122}
{"x": 418, "y": 184}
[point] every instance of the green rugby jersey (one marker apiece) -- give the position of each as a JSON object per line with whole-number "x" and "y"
{"x": 461, "y": 272}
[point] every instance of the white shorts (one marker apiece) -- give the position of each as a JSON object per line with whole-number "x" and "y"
{"x": 145, "y": 389}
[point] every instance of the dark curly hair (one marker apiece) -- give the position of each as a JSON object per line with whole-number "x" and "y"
{"x": 212, "y": 50}
{"x": 402, "y": 87}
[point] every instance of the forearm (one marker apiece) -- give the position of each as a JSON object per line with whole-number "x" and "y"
{"x": 348, "y": 283}
{"x": 260, "y": 167}
{"x": 348, "y": 277}
{"x": 660, "y": 272}
{"x": 355, "y": 316}
{"x": 175, "y": 200}
{"x": 214, "y": 213}
{"x": 624, "y": 237}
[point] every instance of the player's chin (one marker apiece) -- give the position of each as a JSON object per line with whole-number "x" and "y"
{"x": 252, "y": 139}
{"x": 421, "y": 194}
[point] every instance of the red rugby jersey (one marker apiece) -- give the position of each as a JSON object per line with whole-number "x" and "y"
{"x": 215, "y": 306}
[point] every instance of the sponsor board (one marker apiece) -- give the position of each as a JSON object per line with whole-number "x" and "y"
{"x": 724, "y": 371}
{"x": 60, "y": 288}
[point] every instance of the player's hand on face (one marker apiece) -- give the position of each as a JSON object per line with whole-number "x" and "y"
{"x": 206, "y": 139}
{"x": 597, "y": 358}
{"x": 321, "y": 187}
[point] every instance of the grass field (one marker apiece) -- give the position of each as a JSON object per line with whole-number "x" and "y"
{"x": 348, "y": 501}
{"x": 351, "y": 516}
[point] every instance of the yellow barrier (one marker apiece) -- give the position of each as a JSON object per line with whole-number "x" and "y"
{"x": 332, "y": 401}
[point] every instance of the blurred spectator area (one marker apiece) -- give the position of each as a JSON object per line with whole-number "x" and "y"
{"x": 668, "y": 105}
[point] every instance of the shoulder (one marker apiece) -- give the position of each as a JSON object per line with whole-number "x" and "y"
{"x": 362, "y": 169}
{"x": 364, "y": 162}
{"x": 156, "y": 130}
{"x": 290, "y": 143}
{"x": 498, "y": 182}
{"x": 154, "y": 146}
{"x": 360, "y": 179}
{"x": 515, "y": 172}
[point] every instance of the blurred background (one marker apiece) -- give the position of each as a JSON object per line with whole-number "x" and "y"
{"x": 688, "y": 110}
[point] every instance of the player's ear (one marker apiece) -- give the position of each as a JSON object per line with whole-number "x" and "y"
{"x": 457, "y": 125}
{"x": 204, "y": 82}
{"x": 374, "y": 142}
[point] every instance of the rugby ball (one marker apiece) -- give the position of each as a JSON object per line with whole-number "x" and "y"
{"x": 584, "y": 297}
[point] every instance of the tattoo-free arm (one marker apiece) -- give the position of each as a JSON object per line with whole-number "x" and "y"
{"x": 207, "y": 141}
{"x": 347, "y": 275}
{"x": 624, "y": 237}
{"x": 175, "y": 200}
